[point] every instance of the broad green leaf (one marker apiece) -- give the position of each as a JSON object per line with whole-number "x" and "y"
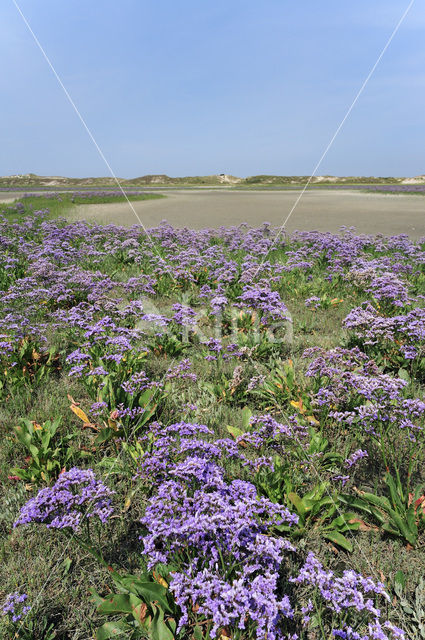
{"x": 246, "y": 417}
{"x": 119, "y": 603}
{"x": 147, "y": 591}
{"x": 339, "y": 539}
{"x": 378, "y": 501}
{"x": 400, "y": 579}
{"x": 113, "y": 630}
{"x": 107, "y": 434}
{"x": 159, "y": 629}
{"x": 235, "y": 432}
{"x": 197, "y": 633}
{"x": 297, "y": 502}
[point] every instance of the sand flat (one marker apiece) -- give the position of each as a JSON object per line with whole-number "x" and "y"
{"x": 324, "y": 210}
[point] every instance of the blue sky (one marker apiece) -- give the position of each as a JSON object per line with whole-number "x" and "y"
{"x": 191, "y": 87}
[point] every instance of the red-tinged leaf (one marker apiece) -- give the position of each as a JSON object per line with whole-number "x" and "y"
{"x": 363, "y": 526}
{"x": 420, "y": 502}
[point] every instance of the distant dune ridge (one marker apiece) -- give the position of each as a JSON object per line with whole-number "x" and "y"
{"x": 31, "y": 179}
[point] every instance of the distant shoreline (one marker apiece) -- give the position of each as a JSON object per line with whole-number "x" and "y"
{"x": 163, "y": 181}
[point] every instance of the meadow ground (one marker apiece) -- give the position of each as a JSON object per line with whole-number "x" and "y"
{"x": 324, "y": 210}
{"x": 257, "y": 408}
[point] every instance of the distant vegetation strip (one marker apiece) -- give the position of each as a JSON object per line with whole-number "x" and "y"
{"x": 163, "y": 180}
{"x": 60, "y": 203}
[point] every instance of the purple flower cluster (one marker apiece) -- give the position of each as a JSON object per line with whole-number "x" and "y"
{"x": 14, "y": 606}
{"x": 407, "y": 331}
{"x": 75, "y": 496}
{"x": 354, "y": 458}
{"x": 350, "y": 389}
{"x": 267, "y": 302}
{"x": 217, "y": 528}
{"x": 313, "y": 302}
{"x": 350, "y": 595}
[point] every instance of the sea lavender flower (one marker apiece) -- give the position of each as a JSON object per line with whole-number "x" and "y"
{"x": 182, "y": 371}
{"x": 255, "y": 382}
{"x": 354, "y": 458}
{"x": 184, "y": 315}
{"x": 312, "y": 303}
{"x": 349, "y": 595}
{"x": 218, "y": 303}
{"x": 14, "y": 606}
{"x": 214, "y": 345}
{"x": 264, "y": 300}
{"x": 97, "y": 408}
{"x": 245, "y": 600}
{"x": 342, "y": 479}
{"x": 76, "y": 495}
{"x": 138, "y": 382}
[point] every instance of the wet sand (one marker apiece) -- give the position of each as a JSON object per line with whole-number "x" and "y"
{"x": 324, "y": 210}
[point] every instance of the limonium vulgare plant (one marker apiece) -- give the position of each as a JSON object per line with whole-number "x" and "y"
{"x": 76, "y": 499}
{"x": 136, "y": 330}
{"x": 218, "y": 532}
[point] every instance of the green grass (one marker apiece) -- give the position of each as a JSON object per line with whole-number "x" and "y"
{"x": 47, "y": 564}
{"x": 65, "y": 203}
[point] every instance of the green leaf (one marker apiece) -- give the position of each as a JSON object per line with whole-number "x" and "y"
{"x": 339, "y": 539}
{"x": 404, "y": 375}
{"x": 354, "y": 503}
{"x": 112, "y": 630}
{"x": 235, "y": 432}
{"x": 197, "y": 633}
{"x": 396, "y": 493}
{"x": 381, "y": 502}
{"x": 119, "y": 603}
{"x": 400, "y": 579}
{"x": 148, "y": 591}
{"x": 159, "y": 629}
{"x": 409, "y": 534}
{"x": 411, "y": 520}
{"x": 342, "y": 521}
{"x": 107, "y": 434}
{"x": 246, "y": 417}
{"x": 297, "y": 502}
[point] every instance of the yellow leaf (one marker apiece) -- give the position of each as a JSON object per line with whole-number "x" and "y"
{"x": 313, "y": 420}
{"x": 160, "y": 580}
{"x": 298, "y": 405}
{"x": 80, "y": 413}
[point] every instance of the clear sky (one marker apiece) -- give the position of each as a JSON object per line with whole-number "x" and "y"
{"x": 194, "y": 87}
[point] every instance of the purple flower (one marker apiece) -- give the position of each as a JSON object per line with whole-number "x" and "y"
{"x": 14, "y": 606}
{"x": 76, "y": 495}
{"x": 354, "y": 458}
